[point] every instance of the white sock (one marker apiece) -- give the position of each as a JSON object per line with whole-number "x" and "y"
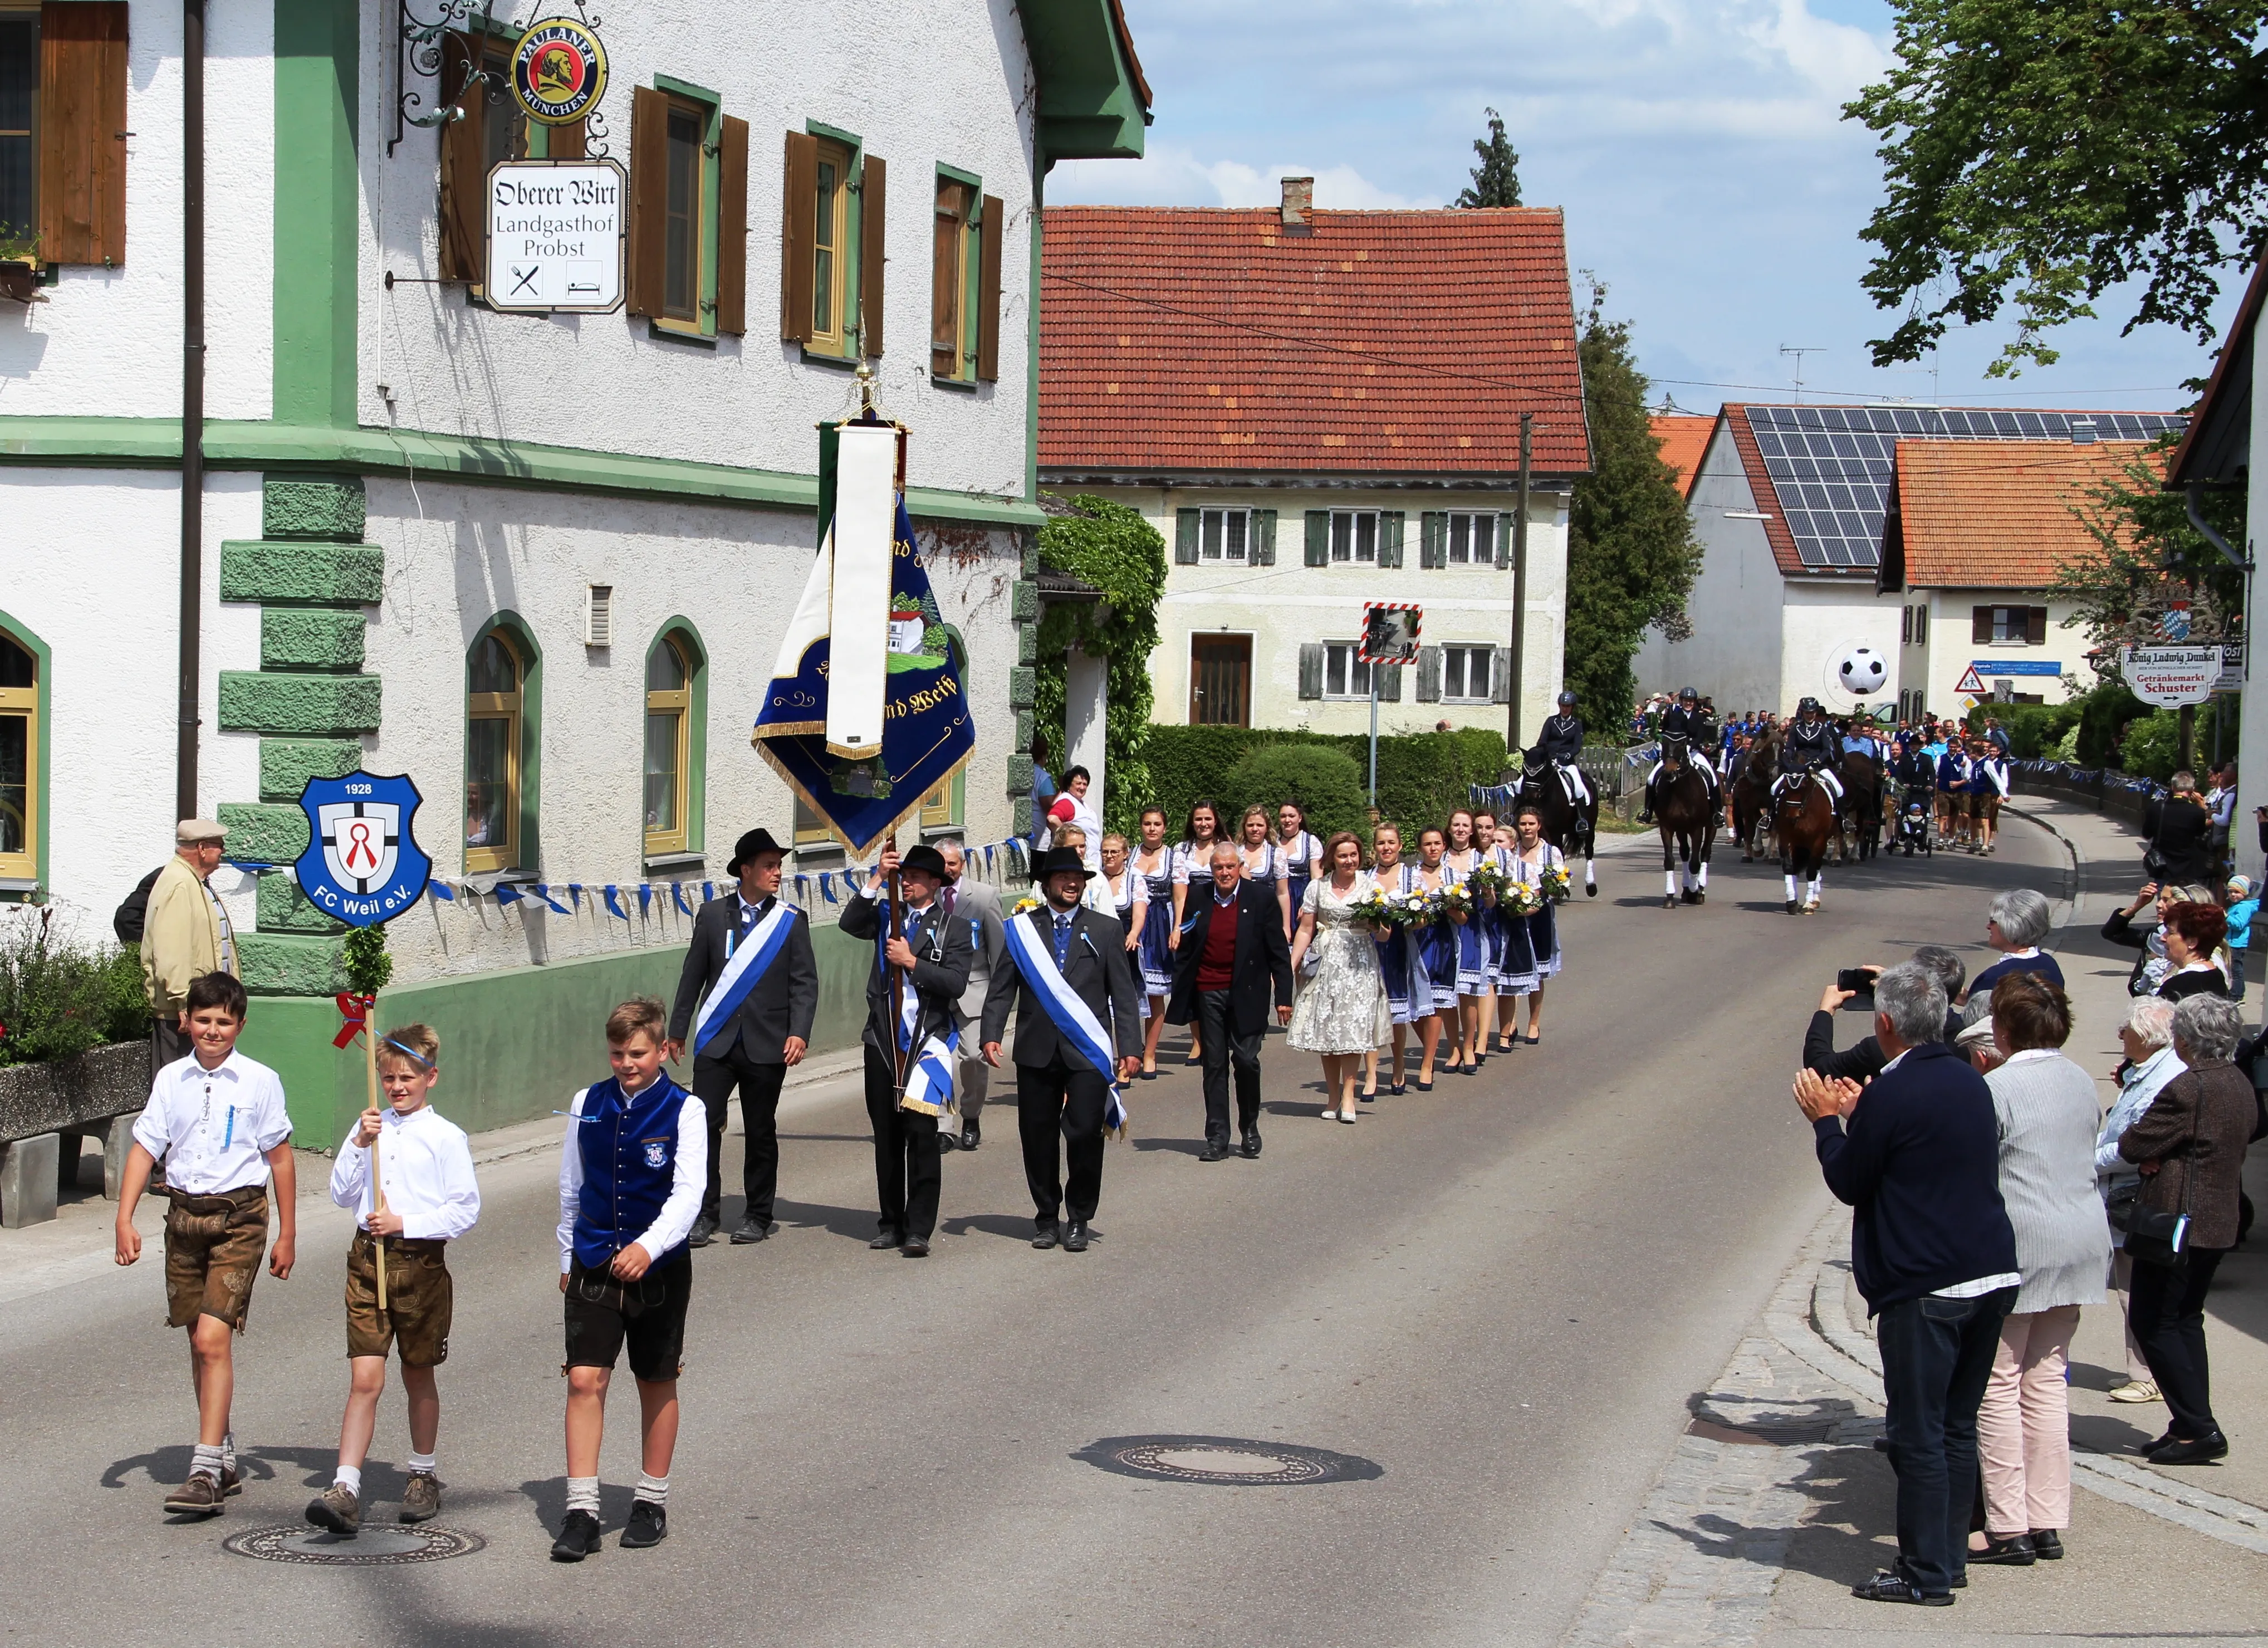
{"x": 349, "y": 1477}
{"x": 655, "y": 1489}
{"x": 583, "y": 1494}
{"x": 207, "y": 1459}
{"x": 421, "y": 1462}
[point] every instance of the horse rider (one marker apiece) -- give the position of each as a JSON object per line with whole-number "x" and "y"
{"x": 1811, "y": 744}
{"x": 1686, "y": 719}
{"x": 1561, "y": 743}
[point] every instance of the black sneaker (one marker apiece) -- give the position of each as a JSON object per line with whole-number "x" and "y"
{"x": 578, "y": 1537}
{"x": 649, "y": 1524}
{"x": 1886, "y": 1586}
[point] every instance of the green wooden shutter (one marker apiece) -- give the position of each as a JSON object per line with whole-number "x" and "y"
{"x": 1185, "y": 537}
{"x": 1390, "y": 538}
{"x": 1434, "y": 540}
{"x": 2035, "y": 625}
{"x": 1319, "y": 537}
{"x": 1429, "y": 674}
{"x": 1980, "y": 625}
{"x": 1263, "y": 537}
{"x": 1311, "y": 670}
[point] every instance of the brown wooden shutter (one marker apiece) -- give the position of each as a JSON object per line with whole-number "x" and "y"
{"x": 464, "y": 164}
{"x": 649, "y": 199}
{"x": 566, "y": 143}
{"x": 798, "y": 204}
{"x": 82, "y": 132}
{"x": 873, "y": 195}
{"x": 733, "y": 228}
{"x": 2035, "y": 625}
{"x": 1980, "y": 624}
{"x": 988, "y": 297}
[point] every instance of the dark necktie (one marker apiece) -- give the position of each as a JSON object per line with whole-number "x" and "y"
{"x": 1063, "y": 940}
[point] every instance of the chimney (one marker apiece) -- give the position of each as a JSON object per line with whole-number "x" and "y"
{"x": 1299, "y": 201}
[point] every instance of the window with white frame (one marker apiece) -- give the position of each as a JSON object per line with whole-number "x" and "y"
{"x": 1465, "y": 673}
{"x": 1472, "y": 539}
{"x": 1224, "y": 535}
{"x": 1354, "y": 536}
{"x": 1345, "y": 675}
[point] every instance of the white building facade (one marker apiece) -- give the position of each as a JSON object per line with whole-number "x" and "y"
{"x": 539, "y": 562}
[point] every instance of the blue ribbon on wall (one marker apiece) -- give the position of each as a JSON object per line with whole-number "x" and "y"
{"x": 506, "y": 895}
{"x": 677, "y": 893}
{"x": 612, "y": 904}
{"x": 646, "y": 896}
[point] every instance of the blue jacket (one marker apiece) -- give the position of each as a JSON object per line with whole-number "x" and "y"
{"x": 1952, "y": 771}
{"x": 1921, "y": 1168}
{"x": 629, "y": 1160}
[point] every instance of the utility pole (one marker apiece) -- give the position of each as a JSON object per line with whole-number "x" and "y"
{"x": 1512, "y": 742}
{"x": 192, "y": 405}
{"x": 1799, "y": 354}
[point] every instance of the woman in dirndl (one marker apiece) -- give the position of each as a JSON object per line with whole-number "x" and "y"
{"x": 1153, "y": 862}
{"x": 1516, "y": 972}
{"x": 1432, "y": 955}
{"x": 1128, "y": 896}
{"x": 1533, "y": 859}
{"x": 1394, "y": 961}
{"x": 1301, "y": 852}
{"x": 1487, "y": 835}
{"x": 1472, "y": 949}
{"x": 1256, "y": 845}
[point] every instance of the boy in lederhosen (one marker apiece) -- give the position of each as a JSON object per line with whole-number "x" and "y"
{"x": 430, "y": 1199}
{"x": 216, "y": 1119}
{"x": 630, "y": 1178}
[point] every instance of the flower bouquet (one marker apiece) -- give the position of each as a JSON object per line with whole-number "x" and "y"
{"x": 1487, "y": 880}
{"x": 1374, "y": 908}
{"x": 1522, "y": 898}
{"x": 1454, "y": 899}
{"x": 1558, "y": 886}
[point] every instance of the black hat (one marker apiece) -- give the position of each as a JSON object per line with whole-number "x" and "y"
{"x": 927, "y": 859}
{"x": 1055, "y": 862}
{"x": 749, "y": 846}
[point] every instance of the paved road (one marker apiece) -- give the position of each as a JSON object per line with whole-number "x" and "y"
{"x": 1503, "y": 1294}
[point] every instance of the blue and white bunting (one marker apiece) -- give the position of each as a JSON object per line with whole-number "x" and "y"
{"x": 677, "y": 893}
{"x": 614, "y": 902}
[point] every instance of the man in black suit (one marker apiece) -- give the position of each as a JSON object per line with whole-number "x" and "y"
{"x": 933, "y": 954}
{"x": 754, "y": 1048}
{"x": 977, "y": 903}
{"x": 1233, "y": 954}
{"x": 1058, "y": 1089}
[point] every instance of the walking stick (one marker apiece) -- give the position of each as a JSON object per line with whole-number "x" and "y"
{"x": 897, "y": 976}
{"x": 377, "y": 1185}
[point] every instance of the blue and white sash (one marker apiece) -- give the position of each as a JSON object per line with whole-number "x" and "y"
{"x": 1073, "y": 1019}
{"x": 929, "y": 1073}
{"x": 748, "y": 961}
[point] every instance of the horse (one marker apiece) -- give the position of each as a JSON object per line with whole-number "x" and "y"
{"x": 1685, "y": 811}
{"x": 1751, "y": 797}
{"x": 1803, "y": 819}
{"x": 1862, "y": 802}
{"x": 1569, "y": 828}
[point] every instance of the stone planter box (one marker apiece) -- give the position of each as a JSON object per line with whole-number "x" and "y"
{"x": 44, "y": 1110}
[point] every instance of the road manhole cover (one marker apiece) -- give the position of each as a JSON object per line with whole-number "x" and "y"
{"x": 375, "y": 1548}
{"x": 1225, "y": 1461}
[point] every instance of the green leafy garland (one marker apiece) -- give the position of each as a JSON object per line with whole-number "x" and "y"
{"x": 368, "y": 964}
{"x": 1111, "y": 547}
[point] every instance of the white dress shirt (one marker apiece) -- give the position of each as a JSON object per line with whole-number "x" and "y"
{"x": 687, "y": 1178}
{"x": 213, "y": 1129}
{"x": 425, "y": 1164}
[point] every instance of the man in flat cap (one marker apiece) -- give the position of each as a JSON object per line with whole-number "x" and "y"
{"x": 185, "y": 934}
{"x": 745, "y": 1003}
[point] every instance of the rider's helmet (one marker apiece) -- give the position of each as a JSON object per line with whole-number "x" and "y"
{"x": 1811, "y": 706}
{"x": 1687, "y": 695}
{"x": 1566, "y": 701}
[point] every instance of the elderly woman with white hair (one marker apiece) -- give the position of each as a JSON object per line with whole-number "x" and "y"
{"x": 2148, "y": 1037}
{"x": 2014, "y": 923}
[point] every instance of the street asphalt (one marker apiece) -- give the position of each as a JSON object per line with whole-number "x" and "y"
{"x": 1503, "y": 1296}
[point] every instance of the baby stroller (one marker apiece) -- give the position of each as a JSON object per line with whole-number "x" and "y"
{"x": 1913, "y": 825}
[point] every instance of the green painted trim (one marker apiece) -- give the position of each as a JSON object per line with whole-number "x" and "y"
{"x": 854, "y": 233}
{"x": 309, "y": 574}
{"x": 712, "y": 138}
{"x": 1089, "y": 105}
{"x": 686, "y": 88}
{"x": 1024, "y": 602}
{"x": 696, "y": 732}
{"x": 156, "y": 443}
{"x": 273, "y": 701}
{"x": 43, "y": 733}
{"x": 287, "y": 764}
{"x": 531, "y": 734}
{"x": 1032, "y": 351}
{"x": 291, "y": 963}
{"x": 1023, "y": 684}
{"x": 264, "y": 832}
{"x": 960, "y": 176}
{"x": 282, "y": 908}
{"x": 311, "y": 638}
{"x": 317, "y": 220}
{"x": 321, "y": 507}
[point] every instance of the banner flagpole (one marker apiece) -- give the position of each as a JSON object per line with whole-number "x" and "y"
{"x": 899, "y": 1055}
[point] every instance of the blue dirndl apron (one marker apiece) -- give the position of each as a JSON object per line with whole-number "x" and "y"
{"x": 1156, "y": 962}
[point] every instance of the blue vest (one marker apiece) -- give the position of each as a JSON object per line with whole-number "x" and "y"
{"x": 630, "y": 1160}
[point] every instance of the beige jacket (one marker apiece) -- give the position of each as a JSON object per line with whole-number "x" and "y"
{"x": 181, "y": 937}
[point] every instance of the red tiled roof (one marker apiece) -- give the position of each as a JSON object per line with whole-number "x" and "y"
{"x": 1684, "y": 438}
{"x": 1176, "y": 340}
{"x": 1986, "y": 514}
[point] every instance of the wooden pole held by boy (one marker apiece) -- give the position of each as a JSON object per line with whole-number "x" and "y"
{"x": 370, "y": 1073}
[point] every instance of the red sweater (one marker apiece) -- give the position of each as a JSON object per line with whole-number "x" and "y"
{"x": 1215, "y": 967}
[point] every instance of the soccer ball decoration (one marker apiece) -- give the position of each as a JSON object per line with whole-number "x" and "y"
{"x": 1862, "y": 671}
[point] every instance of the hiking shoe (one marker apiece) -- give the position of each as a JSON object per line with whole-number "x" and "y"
{"x": 649, "y": 1524}
{"x": 578, "y": 1537}
{"x": 200, "y": 1495}
{"x": 230, "y": 1483}
{"x": 421, "y": 1501}
{"x": 337, "y": 1510}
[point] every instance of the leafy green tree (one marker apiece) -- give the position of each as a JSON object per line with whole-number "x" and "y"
{"x": 1632, "y": 556}
{"x": 1496, "y": 180}
{"x": 1112, "y": 548}
{"x": 2039, "y": 153}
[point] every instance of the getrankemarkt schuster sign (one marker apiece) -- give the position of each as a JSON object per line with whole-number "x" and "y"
{"x": 554, "y": 236}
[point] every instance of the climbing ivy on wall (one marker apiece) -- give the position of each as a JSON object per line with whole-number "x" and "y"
{"x": 1114, "y": 548}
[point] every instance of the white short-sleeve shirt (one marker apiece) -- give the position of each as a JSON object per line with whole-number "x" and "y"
{"x": 213, "y": 1129}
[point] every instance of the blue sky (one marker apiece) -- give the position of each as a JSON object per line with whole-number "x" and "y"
{"x": 1696, "y": 145}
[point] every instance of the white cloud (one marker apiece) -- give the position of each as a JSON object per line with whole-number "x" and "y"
{"x": 1171, "y": 175}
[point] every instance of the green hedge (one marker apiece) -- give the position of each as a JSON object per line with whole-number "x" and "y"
{"x": 1421, "y": 776}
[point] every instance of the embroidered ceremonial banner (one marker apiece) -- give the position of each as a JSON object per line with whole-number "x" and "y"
{"x": 926, "y": 733}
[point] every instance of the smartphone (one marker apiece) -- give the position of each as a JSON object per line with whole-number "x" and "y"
{"x": 1860, "y": 983}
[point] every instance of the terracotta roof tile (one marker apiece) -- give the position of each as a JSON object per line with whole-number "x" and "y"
{"x": 1997, "y": 515}
{"x": 1684, "y": 438}
{"x": 1381, "y": 342}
